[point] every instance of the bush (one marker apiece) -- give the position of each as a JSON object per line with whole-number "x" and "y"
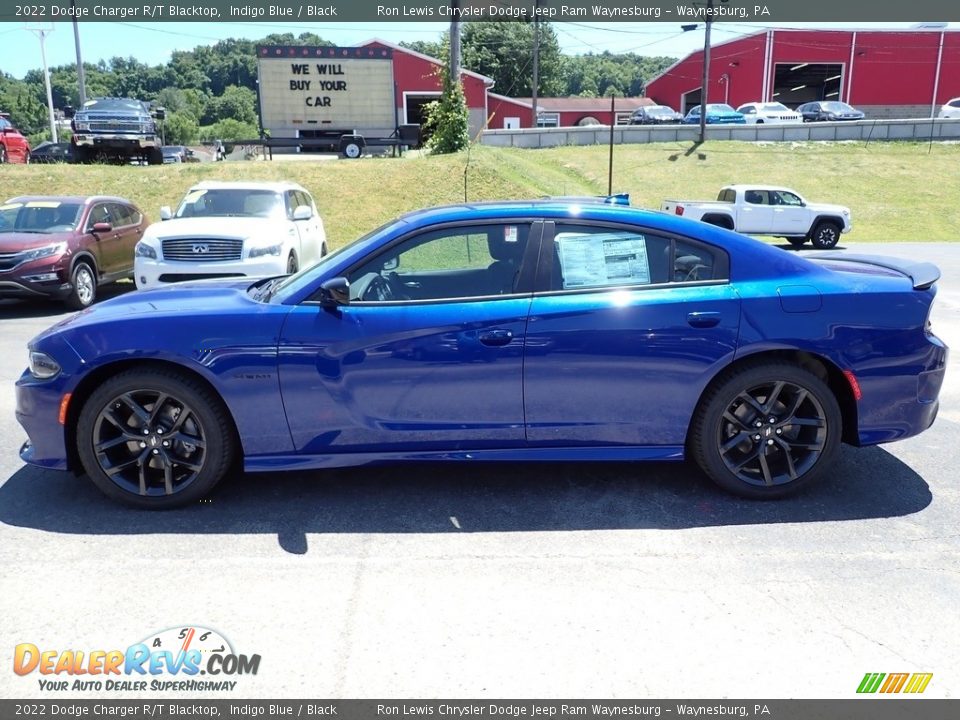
{"x": 448, "y": 121}
{"x": 229, "y": 130}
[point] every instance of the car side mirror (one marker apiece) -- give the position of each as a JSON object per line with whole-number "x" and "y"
{"x": 165, "y": 213}
{"x": 335, "y": 292}
{"x": 391, "y": 263}
{"x": 303, "y": 212}
{"x": 102, "y": 227}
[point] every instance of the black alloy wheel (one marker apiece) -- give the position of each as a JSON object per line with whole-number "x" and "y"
{"x": 154, "y": 439}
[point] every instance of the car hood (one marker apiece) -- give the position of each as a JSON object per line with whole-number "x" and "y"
{"x": 20, "y": 241}
{"x": 221, "y": 227}
{"x": 828, "y": 208}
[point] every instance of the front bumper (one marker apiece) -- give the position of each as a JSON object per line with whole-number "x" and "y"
{"x": 151, "y": 273}
{"x": 123, "y": 140}
{"x": 37, "y": 411}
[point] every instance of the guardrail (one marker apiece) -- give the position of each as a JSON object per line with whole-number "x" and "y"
{"x": 859, "y": 130}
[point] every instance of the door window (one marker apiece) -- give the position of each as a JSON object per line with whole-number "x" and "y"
{"x": 457, "y": 262}
{"x": 99, "y": 213}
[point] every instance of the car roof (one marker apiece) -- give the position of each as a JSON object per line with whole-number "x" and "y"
{"x": 276, "y": 186}
{"x": 82, "y": 199}
{"x": 759, "y": 186}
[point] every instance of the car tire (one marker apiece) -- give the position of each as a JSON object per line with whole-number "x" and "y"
{"x": 797, "y": 241}
{"x": 793, "y": 451}
{"x": 155, "y": 439}
{"x": 3, "y": 155}
{"x": 155, "y": 156}
{"x": 800, "y": 426}
{"x": 292, "y": 264}
{"x": 323, "y": 250}
{"x": 825, "y": 235}
{"x": 83, "y": 292}
{"x": 351, "y": 150}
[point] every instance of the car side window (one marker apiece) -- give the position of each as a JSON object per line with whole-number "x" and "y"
{"x": 120, "y": 215}
{"x": 594, "y": 257}
{"x": 450, "y": 263}
{"x": 598, "y": 257}
{"x": 290, "y": 203}
{"x": 755, "y": 197}
{"x": 782, "y": 197}
{"x": 99, "y": 214}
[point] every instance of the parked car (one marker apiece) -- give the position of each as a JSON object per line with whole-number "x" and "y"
{"x": 768, "y": 113}
{"x": 768, "y": 210}
{"x": 950, "y": 109}
{"x": 655, "y": 115}
{"x": 51, "y": 152}
{"x": 232, "y": 229}
{"x": 14, "y": 147}
{"x": 657, "y": 338}
{"x": 115, "y": 129}
{"x": 65, "y": 247}
{"x": 829, "y": 111}
{"x": 174, "y": 154}
{"x": 717, "y": 114}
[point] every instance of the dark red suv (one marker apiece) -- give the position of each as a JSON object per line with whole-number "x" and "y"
{"x": 14, "y": 147}
{"x": 64, "y": 247}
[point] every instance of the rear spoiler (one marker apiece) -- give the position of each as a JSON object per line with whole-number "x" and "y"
{"x": 921, "y": 274}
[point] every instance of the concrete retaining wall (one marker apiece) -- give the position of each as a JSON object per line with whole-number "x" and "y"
{"x": 863, "y": 130}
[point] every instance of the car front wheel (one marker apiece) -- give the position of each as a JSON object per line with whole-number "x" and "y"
{"x": 84, "y": 287}
{"x": 825, "y": 235}
{"x": 155, "y": 439}
{"x": 766, "y": 430}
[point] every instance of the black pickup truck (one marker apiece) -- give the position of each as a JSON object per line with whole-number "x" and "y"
{"x": 115, "y": 129}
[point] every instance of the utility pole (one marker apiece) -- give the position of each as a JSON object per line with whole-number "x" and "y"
{"x": 536, "y": 67}
{"x": 706, "y": 73}
{"x": 454, "y": 42}
{"x": 81, "y": 80}
{"x": 42, "y": 31}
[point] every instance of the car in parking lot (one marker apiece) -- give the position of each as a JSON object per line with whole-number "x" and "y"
{"x": 655, "y": 115}
{"x": 65, "y": 247}
{"x": 51, "y": 152}
{"x": 232, "y": 229}
{"x": 717, "y": 114}
{"x": 829, "y": 111}
{"x": 174, "y": 154}
{"x": 501, "y": 332}
{"x": 14, "y": 147}
{"x": 768, "y": 113}
{"x": 950, "y": 109}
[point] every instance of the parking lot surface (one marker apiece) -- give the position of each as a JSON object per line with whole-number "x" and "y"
{"x": 533, "y": 581}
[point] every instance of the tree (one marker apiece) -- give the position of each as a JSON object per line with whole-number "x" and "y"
{"x": 448, "y": 118}
{"x": 504, "y": 51}
{"x": 236, "y": 103}
{"x": 229, "y": 130}
{"x": 181, "y": 128}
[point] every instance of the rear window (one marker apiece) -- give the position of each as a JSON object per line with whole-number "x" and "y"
{"x": 727, "y": 196}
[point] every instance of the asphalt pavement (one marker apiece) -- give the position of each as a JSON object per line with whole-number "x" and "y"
{"x": 515, "y": 581}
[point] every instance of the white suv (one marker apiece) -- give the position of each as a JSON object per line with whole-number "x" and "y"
{"x": 950, "y": 109}
{"x": 232, "y": 229}
{"x": 771, "y": 112}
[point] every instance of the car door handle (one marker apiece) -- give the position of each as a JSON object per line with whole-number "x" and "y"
{"x": 496, "y": 338}
{"x": 703, "y": 319}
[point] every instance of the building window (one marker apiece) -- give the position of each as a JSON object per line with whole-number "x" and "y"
{"x": 548, "y": 120}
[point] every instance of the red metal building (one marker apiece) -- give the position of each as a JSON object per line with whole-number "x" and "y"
{"x": 885, "y": 73}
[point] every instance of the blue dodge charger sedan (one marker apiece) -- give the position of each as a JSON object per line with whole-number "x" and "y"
{"x": 515, "y": 331}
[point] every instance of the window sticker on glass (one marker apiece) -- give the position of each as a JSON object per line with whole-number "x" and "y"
{"x": 598, "y": 260}
{"x": 510, "y": 234}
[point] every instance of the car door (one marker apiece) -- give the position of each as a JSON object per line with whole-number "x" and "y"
{"x": 790, "y": 217}
{"x": 310, "y": 236}
{"x": 409, "y": 366}
{"x": 105, "y": 244}
{"x": 127, "y": 233}
{"x": 755, "y": 214}
{"x": 626, "y": 328}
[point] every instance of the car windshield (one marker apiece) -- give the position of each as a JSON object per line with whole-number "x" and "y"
{"x": 113, "y": 105}
{"x": 5, "y": 124}
{"x": 776, "y": 107}
{"x": 39, "y": 216}
{"x": 719, "y": 107}
{"x": 232, "y": 203}
{"x": 835, "y": 106}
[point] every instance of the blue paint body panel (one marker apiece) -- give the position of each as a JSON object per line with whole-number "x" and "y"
{"x": 609, "y": 373}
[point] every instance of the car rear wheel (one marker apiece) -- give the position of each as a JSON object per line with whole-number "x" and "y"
{"x": 155, "y": 439}
{"x": 3, "y": 154}
{"x": 84, "y": 290}
{"x": 825, "y": 235}
{"x": 292, "y": 264}
{"x": 766, "y": 430}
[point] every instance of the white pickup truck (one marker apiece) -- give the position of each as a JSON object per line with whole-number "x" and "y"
{"x": 768, "y": 210}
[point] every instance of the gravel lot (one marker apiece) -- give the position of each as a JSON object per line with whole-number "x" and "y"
{"x": 555, "y": 581}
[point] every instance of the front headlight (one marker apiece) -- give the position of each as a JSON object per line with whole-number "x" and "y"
{"x": 42, "y": 366}
{"x": 45, "y": 251}
{"x": 269, "y": 250}
{"x": 145, "y": 251}
{"x": 81, "y": 125}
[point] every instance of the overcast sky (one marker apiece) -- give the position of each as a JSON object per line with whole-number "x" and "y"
{"x": 152, "y": 43}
